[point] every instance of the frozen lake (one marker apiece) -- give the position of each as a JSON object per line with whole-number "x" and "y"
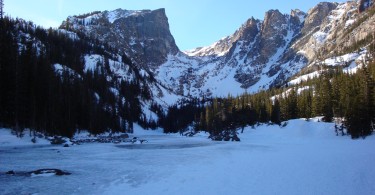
{"x": 302, "y": 158}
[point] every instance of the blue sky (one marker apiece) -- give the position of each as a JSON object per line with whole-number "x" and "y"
{"x": 193, "y": 23}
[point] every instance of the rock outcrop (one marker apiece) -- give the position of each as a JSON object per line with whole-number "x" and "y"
{"x": 143, "y": 35}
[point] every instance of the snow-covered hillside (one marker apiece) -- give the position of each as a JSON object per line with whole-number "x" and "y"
{"x": 305, "y": 157}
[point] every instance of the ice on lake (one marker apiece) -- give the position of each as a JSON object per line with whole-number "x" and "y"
{"x": 302, "y": 158}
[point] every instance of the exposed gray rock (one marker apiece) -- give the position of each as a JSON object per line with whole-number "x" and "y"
{"x": 316, "y": 16}
{"x": 143, "y": 35}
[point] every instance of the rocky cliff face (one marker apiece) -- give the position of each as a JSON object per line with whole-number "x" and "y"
{"x": 143, "y": 35}
{"x": 267, "y": 44}
{"x": 339, "y": 30}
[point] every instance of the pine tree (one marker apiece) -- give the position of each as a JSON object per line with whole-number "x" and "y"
{"x": 337, "y": 86}
{"x": 371, "y": 68}
{"x": 1, "y": 9}
{"x": 284, "y": 109}
{"x": 326, "y": 98}
{"x": 292, "y": 104}
{"x": 275, "y": 114}
{"x": 304, "y": 102}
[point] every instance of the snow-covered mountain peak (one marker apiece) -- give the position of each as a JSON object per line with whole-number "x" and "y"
{"x": 219, "y": 48}
{"x": 222, "y": 47}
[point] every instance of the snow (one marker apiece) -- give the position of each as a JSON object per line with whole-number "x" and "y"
{"x": 265, "y": 81}
{"x": 91, "y": 62}
{"x": 202, "y": 76}
{"x": 59, "y": 69}
{"x": 339, "y": 12}
{"x": 217, "y": 76}
{"x": 357, "y": 63}
{"x": 349, "y": 22}
{"x": 10, "y": 140}
{"x": 320, "y": 37}
{"x": 351, "y": 62}
{"x": 305, "y": 157}
{"x": 119, "y": 13}
{"x": 343, "y": 12}
{"x": 287, "y": 92}
{"x": 224, "y": 83}
{"x": 150, "y": 116}
{"x": 43, "y": 175}
{"x": 118, "y": 69}
{"x": 304, "y": 78}
{"x": 114, "y": 91}
{"x": 112, "y": 16}
{"x": 302, "y": 18}
{"x": 132, "y": 41}
{"x": 212, "y": 50}
{"x": 168, "y": 97}
{"x": 341, "y": 60}
{"x": 70, "y": 34}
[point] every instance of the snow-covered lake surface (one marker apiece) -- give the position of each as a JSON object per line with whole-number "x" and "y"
{"x": 302, "y": 158}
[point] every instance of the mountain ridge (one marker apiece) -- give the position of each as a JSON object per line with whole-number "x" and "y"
{"x": 259, "y": 55}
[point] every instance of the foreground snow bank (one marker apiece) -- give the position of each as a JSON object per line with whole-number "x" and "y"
{"x": 305, "y": 157}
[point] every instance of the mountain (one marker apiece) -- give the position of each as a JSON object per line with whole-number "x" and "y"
{"x": 259, "y": 55}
